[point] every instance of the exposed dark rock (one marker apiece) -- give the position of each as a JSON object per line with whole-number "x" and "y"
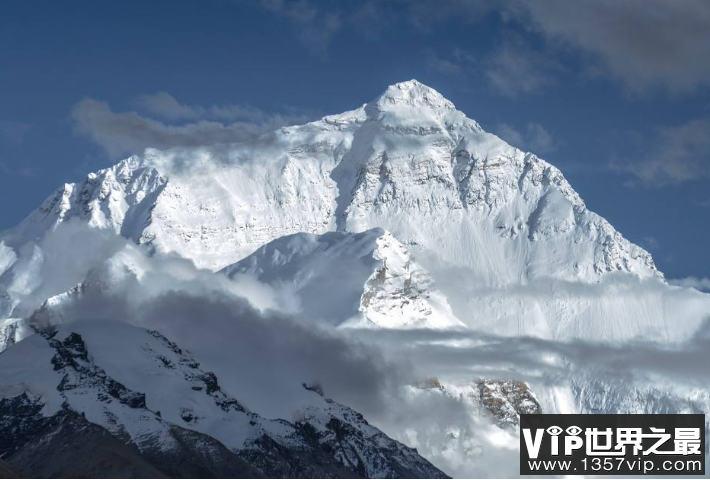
{"x": 6, "y": 471}
{"x": 71, "y": 447}
{"x": 331, "y": 441}
{"x": 72, "y": 357}
{"x": 20, "y": 421}
{"x": 195, "y": 455}
{"x": 277, "y": 461}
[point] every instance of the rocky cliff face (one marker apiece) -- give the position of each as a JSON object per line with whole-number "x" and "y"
{"x": 503, "y": 401}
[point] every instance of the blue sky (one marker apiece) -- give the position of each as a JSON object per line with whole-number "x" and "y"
{"x": 616, "y": 94}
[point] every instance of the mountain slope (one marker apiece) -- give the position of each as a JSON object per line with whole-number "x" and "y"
{"x": 123, "y": 385}
{"x": 71, "y": 447}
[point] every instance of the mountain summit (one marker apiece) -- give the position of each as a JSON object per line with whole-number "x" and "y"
{"x": 412, "y": 94}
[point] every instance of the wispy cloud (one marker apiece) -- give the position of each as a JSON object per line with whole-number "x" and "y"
{"x": 681, "y": 154}
{"x": 265, "y": 355}
{"x": 370, "y": 19}
{"x": 454, "y": 63}
{"x": 13, "y": 163}
{"x": 513, "y": 68}
{"x": 534, "y": 137}
{"x": 163, "y": 122}
{"x": 165, "y": 106}
{"x": 427, "y": 15}
{"x": 12, "y": 170}
{"x": 442, "y": 65}
{"x": 698, "y": 283}
{"x": 650, "y": 243}
{"x": 14, "y": 132}
{"x": 641, "y": 43}
{"x": 315, "y": 26}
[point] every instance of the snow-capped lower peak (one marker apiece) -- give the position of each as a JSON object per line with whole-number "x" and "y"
{"x": 351, "y": 279}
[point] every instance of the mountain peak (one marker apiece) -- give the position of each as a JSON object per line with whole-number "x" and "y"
{"x": 412, "y": 93}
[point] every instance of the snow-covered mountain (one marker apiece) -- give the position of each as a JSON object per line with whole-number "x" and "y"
{"x": 455, "y": 196}
{"x": 407, "y": 161}
{"x": 398, "y": 216}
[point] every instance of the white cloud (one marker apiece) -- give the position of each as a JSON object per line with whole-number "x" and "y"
{"x": 698, "y": 283}
{"x": 265, "y": 355}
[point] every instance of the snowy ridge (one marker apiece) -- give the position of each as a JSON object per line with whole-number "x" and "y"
{"x": 150, "y": 393}
{"x": 109, "y": 199}
{"x": 12, "y": 330}
{"x": 364, "y": 279}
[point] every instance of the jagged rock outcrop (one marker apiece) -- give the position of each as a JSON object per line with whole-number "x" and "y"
{"x": 503, "y": 401}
